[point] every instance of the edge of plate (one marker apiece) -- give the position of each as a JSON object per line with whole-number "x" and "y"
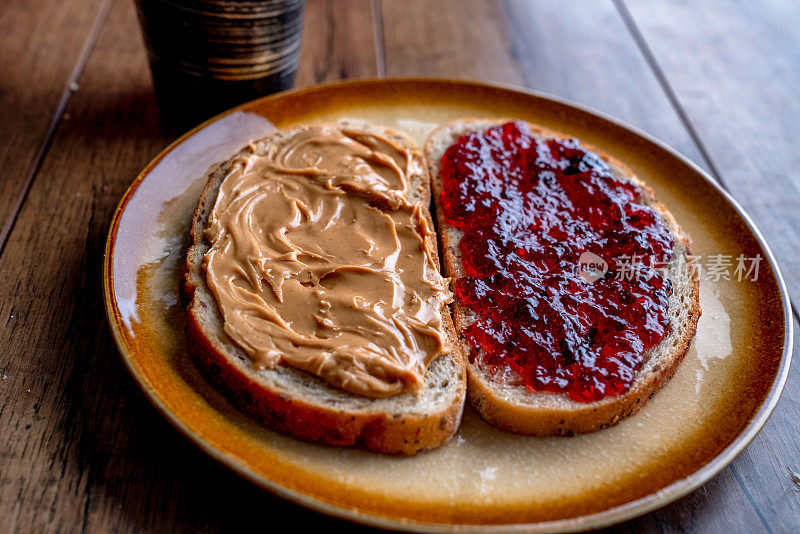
{"x": 614, "y": 515}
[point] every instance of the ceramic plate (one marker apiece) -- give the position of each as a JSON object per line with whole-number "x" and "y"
{"x": 483, "y": 479}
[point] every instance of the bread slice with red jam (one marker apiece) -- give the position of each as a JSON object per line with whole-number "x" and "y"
{"x": 575, "y": 297}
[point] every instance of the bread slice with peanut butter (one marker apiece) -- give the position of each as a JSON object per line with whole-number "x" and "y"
{"x": 315, "y": 302}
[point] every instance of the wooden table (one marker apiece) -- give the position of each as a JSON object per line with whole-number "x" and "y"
{"x": 81, "y": 449}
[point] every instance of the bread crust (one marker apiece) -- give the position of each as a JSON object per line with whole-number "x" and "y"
{"x": 333, "y": 417}
{"x": 516, "y": 408}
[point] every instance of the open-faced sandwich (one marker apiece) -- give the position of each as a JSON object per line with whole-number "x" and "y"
{"x": 316, "y": 303}
{"x": 574, "y": 297}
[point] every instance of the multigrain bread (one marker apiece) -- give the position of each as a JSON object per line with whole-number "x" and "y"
{"x": 296, "y": 402}
{"x": 518, "y": 409}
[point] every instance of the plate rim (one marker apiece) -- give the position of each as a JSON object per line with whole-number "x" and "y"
{"x": 614, "y": 515}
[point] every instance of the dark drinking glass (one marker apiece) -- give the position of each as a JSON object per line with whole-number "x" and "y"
{"x": 209, "y": 55}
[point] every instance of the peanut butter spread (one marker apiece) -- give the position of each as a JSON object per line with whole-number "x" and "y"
{"x": 319, "y": 261}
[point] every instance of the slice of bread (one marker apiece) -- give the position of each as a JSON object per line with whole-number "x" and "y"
{"x": 518, "y": 409}
{"x": 299, "y": 403}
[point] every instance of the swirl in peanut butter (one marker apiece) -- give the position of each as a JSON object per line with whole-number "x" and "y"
{"x": 319, "y": 261}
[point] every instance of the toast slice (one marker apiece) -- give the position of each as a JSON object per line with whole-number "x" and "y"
{"x": 297, "y": 402}
{"x": 518, "y": 409}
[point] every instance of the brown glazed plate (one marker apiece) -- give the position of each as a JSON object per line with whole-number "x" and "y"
{"x": 483, "y": 479}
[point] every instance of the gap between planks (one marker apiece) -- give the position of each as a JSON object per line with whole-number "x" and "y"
{"x": 44, "y": 147}
{"x": 377, "y": 32}
{"x": 658, "y": 72}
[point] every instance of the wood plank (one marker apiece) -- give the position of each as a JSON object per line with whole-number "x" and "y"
{"x": 338, "y": 42}
{"x": 734, "y": 70}
{"x": 577, "y": 50}
{"x": 81, "y": 453}
{"x": 42, "y": 44}
{"x": 60, "y": 365}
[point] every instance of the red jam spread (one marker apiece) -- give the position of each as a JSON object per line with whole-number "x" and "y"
{"x": 531, "y": 210}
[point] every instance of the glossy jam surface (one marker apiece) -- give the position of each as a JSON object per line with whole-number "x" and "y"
{"x": 540, "y": 220}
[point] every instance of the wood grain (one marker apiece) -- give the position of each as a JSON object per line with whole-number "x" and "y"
{"x": 81, "y": 453}
{"x": 42, "y": 44}
{"x": 62, "y": 386}
{"x": 578, "y": 50}
{"x": 338, "y": 41}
